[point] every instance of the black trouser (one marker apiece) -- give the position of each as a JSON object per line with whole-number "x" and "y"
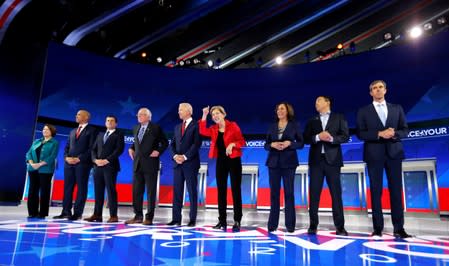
{"x": 40, "y": 183}
{"x": 105, "y": 177}
{"x": 287, "y": 175}
{"x": 332, "y": 173}
{"x": 393, "y": 169}
{"x": 233, "y": 167}
{"x": 140, "y": 181}
{"x": 79, "y": 175}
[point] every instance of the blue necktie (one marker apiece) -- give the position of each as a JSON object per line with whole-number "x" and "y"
{"x": 141, "y": 133}
{"x": 106, "y": 136}
{"x": 382, "y": 115}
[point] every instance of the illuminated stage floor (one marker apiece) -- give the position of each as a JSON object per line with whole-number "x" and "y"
{"x": 60, "y": 242}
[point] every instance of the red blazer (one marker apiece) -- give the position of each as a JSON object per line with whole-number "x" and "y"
{"x": 232, "y": 134}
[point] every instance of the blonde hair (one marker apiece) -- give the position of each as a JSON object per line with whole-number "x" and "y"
{"x": 219, "y": 108}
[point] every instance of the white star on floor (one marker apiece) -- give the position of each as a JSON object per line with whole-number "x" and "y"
{"x": 49, "y": 251}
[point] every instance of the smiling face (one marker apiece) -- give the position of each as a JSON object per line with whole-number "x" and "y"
{"x": 378, "y": 91}
{"x": 46, "y": 132}
{"x": 282, "y": 112}
{"x": 217, "y": 116}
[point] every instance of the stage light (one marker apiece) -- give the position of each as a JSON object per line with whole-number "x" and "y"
{"x": 427, "y": 26}
{"x": 210, "y": 63}
{"x": 143, "y": 55}
{"x": 279, "y": 60}
{"x": 340, "y": 46}
{"x": 441, "y": 20}
{"x": 415, "y": 32}
{"x": 181, "y": 63}
{"x": 188, "y": 61}
{"x": 388, "y": 36}
{"x": 196, "y": 61}
{"x": 159, "y": 59}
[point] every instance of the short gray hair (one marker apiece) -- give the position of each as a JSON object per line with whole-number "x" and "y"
{"x": 188, "y": 106}
{"x": 145, "y": 110}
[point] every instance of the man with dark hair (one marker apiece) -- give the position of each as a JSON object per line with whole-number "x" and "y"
{"x": 105, "y": 155}
{"x": 382, "y": 125}
{"x": 325, "y": 132}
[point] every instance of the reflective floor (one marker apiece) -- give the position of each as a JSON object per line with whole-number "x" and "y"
{"x": 59, "y": 242}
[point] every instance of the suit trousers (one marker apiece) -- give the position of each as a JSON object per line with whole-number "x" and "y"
{"x": 233, "y": 167}
{"x": 142, "y": 180}
{"x": 105, "y": 177}
{"x": 393, "y": 169}
{"x": 190, "y": 177}
{"x": 287, "y": 175}
{"x": 75, "y": 174}
{"x": 317, "y": 173}
{"x": 40, "y": 183}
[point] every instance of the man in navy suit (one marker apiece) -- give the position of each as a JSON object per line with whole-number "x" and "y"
{"x": 105, "y": 155}
{"x": 382, "y": 126}
{"x": 149, "y": 144}
{"x": 184, "y": 150}
{"x": 77, "y": 154}
{"x": 325, "y": 132}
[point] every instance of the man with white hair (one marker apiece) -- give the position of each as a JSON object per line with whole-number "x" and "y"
{"x": 185, "y": 153}
{"x": 149, "y": 143}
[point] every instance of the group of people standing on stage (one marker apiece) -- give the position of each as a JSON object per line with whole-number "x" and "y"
{"x": 380, "y": 125}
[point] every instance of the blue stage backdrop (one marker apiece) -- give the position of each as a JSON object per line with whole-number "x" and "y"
{"x": 417, "y": 75}
{"x": 20, "y": 86}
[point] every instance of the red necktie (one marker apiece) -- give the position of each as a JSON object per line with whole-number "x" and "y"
{"x": 183, "y": 128}
{"x": 78, "y": 131}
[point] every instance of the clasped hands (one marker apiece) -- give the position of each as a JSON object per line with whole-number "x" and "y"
{"x": 387, "y": 133}
{"x": 281, "y": 145}
{"x": 325, "y": 136}
{"x": 101, "y": 162}
{"x": 179, "y": 158}
{"x": 36, "y": 166}
{"x": 154, "y": 153}
{"x": 72, "y": 160}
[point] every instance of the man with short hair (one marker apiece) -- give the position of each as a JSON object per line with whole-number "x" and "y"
{"x": 77, "y": 156}
{"x": 185, "y": 153}
{"x": 381, "y": 126}
{"x": 149, "y": 144}
{"x": 325, "y": 133}
{"x": 105, "y": 155}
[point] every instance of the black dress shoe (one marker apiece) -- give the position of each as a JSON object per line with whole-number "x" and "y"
{"x": 62, "y": 216}
{"x": 32, "y": 216}
{"x": 236, "y": 227}
{"x": 220, "y": 225}
{"x": 40, "y": 216}
{"x": 191, "y": 224}
{"x": 174, "y": 223}
{"x": 377, "y": 233}
{"x": 290, "y": 230}
{"x": 272, "y": 229}
{"x": 74, "y": 217}
{"x": 312, "y": 230}
{"x": 341, "y": 232}
{"x": 401, "y": 234}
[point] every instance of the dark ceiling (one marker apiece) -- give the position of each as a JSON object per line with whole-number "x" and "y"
{"x": 229, "y": 34}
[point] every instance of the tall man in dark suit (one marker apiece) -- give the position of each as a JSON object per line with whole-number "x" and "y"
{"x": 382, "y": 126}
{"x": 105, "y": 155}
{"x": 149, "y": 143}
{"x": 184, "y": 149}
{"x": 325, "y": 133}
{"x": 77, "y": 154}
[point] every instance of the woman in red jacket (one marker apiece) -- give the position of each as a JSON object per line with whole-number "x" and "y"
{"x": 226, "y": 146}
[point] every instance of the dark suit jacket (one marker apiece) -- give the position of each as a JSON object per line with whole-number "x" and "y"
{"x": 110, "y": 150}
{"x": 153, "y": 139}
{"x": 82, "y": 146}
{"x": 189, "y": 145}
{"x": 287, "y": 158}
{"x": 337, "y": 126}
{"x": 368, "y": 126}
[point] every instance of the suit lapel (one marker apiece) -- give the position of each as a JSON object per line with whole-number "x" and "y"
{"x": 373, "y": 110}
{"x": 330, "y": 120}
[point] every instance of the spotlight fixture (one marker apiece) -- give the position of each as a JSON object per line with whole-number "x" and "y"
{"x": 279, "y": 60}
{"x": 196, "y": 61}
{"x": 159, "y": 59}
{"x": 339, "y": 46}
{"x": 441, "y": 20}
{"x": 210, "y": 63}
{"x": 415, "y": 32}
{"x": 388, "y": 36}
{"x": 143, "y": 55}
{"x": 427, "y": 26}
{"x": 181, "y": 63}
